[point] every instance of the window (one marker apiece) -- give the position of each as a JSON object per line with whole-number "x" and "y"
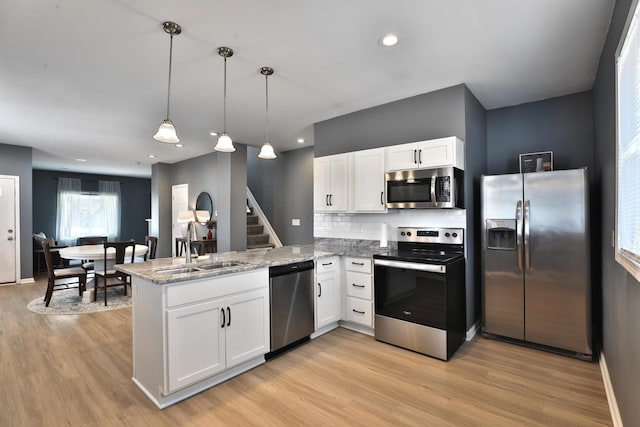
{"x": 87, "y": 214}
{"x": 628, "y": 146}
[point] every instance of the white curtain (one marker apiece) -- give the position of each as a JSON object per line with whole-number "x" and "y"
{"x": 110, "y": 191}
{"x": 68, "y": 211}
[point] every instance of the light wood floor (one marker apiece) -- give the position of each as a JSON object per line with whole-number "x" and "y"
{"x": 76, "y": 370}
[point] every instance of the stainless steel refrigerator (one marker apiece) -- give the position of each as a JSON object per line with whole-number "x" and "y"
{"x": 536, "y": 259}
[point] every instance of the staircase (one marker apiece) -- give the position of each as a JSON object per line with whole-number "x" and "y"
{"x": 255, "y": 233}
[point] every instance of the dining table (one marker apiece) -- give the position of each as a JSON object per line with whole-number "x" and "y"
{"x": 96, "y": 254}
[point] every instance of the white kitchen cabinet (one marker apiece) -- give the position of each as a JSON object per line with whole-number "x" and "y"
{"x": 330, "y": 183}
{"x": 358, "y": 294}
{"x": 368, "y": 180}
{"x": 189, "y": 336}
{"x": 433, "y": 153}
{"x": 327, "y": 309}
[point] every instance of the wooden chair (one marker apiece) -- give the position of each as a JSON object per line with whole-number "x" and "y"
{"x": 59, "y": 274}
{"x": 152, "y": 243}
{"x": 88, "y": 264}
{"x": 117, "y": 278}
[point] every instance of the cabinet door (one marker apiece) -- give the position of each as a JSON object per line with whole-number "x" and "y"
{"x": 403, "y": 156}
{"x": 321, "y": 184}
{"x": 369, "y": 185}
{"x": 195, "y": 343}
{"x": 247, "y": 326}
{"x": 327, "y": 299}
{"x": 436, "y": 153}
{"x": 338, "y": 169}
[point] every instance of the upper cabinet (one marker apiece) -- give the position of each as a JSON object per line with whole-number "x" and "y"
{"x": 426, "y": 154}
{"x": 368, "y": 181}
{"x": 330, "y": 183}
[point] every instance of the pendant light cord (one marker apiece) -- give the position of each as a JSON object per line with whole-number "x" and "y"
{"x": 266, "y": 90}
{"x": 224, "y": 120}
{"x": 169, "y": 85}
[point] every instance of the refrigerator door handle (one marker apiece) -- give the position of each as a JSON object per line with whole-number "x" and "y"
{"x": 519, "y": 233}
{"x": 527, "y": 237}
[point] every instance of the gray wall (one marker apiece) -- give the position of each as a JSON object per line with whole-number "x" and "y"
{"x": 620, "y": 292}
{"x": 135, "y": 193}
{"x": 161, "y": 208}
{"x": 283, "y": 188}
{"x": 563, "y": 125}
{"x": 432, "y": 115}
{"x": 16, "y": 161}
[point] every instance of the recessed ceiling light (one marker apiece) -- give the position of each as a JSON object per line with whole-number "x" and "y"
{"x": 81, "y": 160}
{"x": 213, "y": 133}
{"x": 152, "y": 156}
{"x": 389, "y": 40}
{"x": 300, "y": 140}
{"x": 179, "y": 145}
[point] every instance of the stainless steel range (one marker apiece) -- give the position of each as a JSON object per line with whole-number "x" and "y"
{"x": 420, "y": 291}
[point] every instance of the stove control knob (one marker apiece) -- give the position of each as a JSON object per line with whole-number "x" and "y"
{"x": 408, "y": 233}
{"x": 455, "y": 234}
{"x": 447, "y": 235}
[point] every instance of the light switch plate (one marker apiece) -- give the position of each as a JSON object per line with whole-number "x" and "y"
{"x": 295, "y": 222}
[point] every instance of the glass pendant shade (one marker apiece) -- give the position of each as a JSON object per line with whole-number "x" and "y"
{"x": 225, "y": 144}
{"x": 266, "y": 152}
{"x": 167, "y": 133}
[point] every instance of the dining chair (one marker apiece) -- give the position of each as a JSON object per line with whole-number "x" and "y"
{"x": 117, "y": 278}
{"x": 88, "y": 264}
{"x": 152, "y": 243}
{"x": 57, "y": 275}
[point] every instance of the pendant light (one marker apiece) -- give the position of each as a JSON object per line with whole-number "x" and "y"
{"x": 225, "y": 144}
{"x": 266, "y": 152}
{"x": 166, "y": 131}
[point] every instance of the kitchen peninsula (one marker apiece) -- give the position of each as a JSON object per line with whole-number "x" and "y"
{"x": 196, "y": 325}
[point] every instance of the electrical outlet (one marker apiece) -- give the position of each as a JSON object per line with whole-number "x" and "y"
{"x": 295, "y": 222}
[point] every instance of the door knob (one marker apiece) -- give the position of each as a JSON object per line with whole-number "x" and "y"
{"x": 10, "y": 230}
{"x": 10, "y": 238}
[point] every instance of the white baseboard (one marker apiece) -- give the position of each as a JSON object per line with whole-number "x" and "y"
{"x": 608, "y": 388}
{"x": 27, "y": 280}
{"x": 473, "y": 330}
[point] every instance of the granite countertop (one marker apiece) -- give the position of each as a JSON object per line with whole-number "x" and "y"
{"x": 246, "y": 260}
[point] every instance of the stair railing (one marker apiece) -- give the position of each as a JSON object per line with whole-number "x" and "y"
{"x": 262, "y": 219}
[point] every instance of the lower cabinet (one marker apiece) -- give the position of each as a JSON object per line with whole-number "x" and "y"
{"x": 327, "y": 288}
{"x": 189, "y": 336}
{"x": 358, "y": 291}
{"x": 206, "y": 338}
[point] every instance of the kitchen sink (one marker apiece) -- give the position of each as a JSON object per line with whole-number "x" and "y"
{"x": 217, "y": 265}
{"x": 180, "y": 270}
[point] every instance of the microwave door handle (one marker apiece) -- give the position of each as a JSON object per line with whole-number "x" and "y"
{"x": 527, "y": 237}
{"x": 519, "y": 233}
{"x": 433, "y": 191}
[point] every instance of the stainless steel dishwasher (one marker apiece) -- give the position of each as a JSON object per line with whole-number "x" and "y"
{"x": 291, "y": 305}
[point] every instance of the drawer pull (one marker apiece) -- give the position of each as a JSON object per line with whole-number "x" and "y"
{"x": 357, "y": 263}
{"x": 327, "y": 263}
{"x": 357, "y": 286}
{"x": 357, "y": 311}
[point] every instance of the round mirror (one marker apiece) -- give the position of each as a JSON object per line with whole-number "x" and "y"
{"x": 204, "y": 203}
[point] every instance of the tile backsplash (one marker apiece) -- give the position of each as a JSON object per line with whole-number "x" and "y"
{"x": 369, "y": 226}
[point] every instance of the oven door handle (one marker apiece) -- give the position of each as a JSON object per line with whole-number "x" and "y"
{"x": 410, "y": 265}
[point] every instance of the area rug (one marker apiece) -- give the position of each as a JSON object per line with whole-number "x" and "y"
{"x": 69, "y": 302}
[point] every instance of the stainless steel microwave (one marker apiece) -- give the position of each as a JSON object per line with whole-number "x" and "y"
{"x": 425, "y": 188}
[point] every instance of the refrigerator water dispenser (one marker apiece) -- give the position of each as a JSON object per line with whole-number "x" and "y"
{"x": 501, "y": 234}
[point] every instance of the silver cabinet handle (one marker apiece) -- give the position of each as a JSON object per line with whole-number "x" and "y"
{"x": 357, "y": 286}
{"x": 357, "y": 311}
{"x": 527, "y": 237}
{"x": 519, "y": 233}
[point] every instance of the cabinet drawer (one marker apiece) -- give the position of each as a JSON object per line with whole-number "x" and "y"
{"x": 359, "y": 285}
{"x": 327, "y": 265}
{"x": 362, "y": 265}
{"x": 359, "y": 311}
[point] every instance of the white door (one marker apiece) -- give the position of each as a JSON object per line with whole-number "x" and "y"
{"x": 327, "y": 299}
{"x": 247, "y": 327}
{"x": 369, "y": 181}
{"x": 179, "y": 202}
{"x": 8, "y": 229}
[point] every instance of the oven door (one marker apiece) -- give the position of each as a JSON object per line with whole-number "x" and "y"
{"x": 411, "y": 291}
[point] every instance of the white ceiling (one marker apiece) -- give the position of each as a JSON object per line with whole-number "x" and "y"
{"x": 88, "y": 78}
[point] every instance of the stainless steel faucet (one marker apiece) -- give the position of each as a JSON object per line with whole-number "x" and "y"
{"x": 187, "y": 257}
